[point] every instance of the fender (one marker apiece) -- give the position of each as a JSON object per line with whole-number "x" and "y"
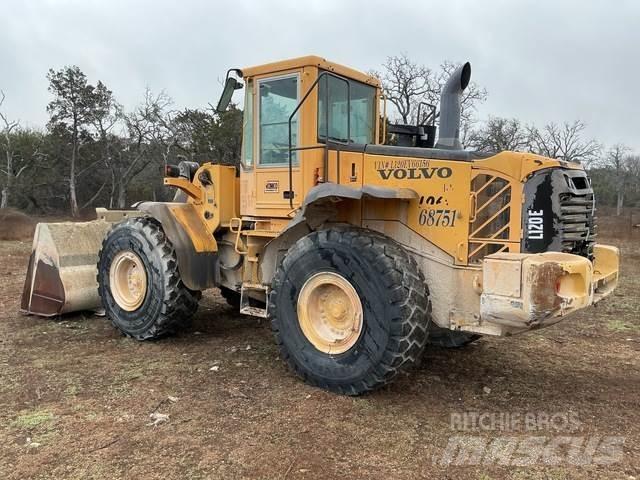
{"x": 318, "y": 204}
{"x": 196, "y": 249}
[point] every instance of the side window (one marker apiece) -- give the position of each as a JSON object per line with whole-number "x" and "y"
{"x": 361, "y": 104}
{"x": 278, "y": 99}
{"x": 247, "y": 127}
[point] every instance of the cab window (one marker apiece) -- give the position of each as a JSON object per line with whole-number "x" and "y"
{"x": 278, "y": 99}
{"x": 362, "y": 106}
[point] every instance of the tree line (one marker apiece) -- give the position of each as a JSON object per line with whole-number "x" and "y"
{"x": 94, "y": 152}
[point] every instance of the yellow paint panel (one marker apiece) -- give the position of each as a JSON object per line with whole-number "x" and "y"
{"x": 502, "y": 277}
{"x": 345, "y": 168}
{"x": 519, "y": 166}
{"x": 309, "y": 61}
{"x": 188, "y": 216}
{"x": 441, "y": 213}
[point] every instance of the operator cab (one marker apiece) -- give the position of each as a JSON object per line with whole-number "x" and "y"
{"x": 295, "y": 111}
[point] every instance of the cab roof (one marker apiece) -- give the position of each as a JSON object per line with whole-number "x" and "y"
{"x": 310, "y": 61}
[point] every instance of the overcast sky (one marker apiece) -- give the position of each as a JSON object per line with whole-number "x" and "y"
{"x": 540, "y": 61}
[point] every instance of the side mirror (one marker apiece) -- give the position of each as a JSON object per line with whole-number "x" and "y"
{"x": 230, "y": 86}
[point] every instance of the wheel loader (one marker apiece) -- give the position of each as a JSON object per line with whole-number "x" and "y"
{"x": 359, "y": 252}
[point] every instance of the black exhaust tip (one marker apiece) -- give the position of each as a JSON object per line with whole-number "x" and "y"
{"x": 465, "y": 76}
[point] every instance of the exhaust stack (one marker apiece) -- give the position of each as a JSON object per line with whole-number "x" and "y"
{"x": 449, "y": 137}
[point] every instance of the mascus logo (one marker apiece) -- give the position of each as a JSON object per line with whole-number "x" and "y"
{"x": 415, "y": 173}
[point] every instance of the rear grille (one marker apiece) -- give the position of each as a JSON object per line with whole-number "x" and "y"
{"x": 559, "y": 213}
{"x": 577, "y": 223}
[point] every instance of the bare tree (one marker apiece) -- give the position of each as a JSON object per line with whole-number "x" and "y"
{"x": 632, "y": 167}
{"x": 407, "y": 84}
{"x": 165, "y": 131}
{"x": 151, "y": 135}
{"x": 564, "y": 142}
{"x": 616, "y": 160}
{"x": 7, "y": 128}
{"x": 499, "y": 134}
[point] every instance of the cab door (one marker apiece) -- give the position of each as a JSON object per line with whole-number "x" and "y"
{"x": 276, "y": 98}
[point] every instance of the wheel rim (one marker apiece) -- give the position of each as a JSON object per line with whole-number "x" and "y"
{"x": 128, "y": 280}
{"x": 330, "y": 312}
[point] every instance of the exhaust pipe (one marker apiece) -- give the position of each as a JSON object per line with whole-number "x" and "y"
{"x": 449, "y": 137}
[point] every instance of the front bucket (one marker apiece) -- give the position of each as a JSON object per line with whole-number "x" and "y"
{"x": 61, "y": 276}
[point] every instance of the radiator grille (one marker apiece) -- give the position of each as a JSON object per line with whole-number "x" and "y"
{"x": 563, "y": 199}
{"x": 577, "y": 223}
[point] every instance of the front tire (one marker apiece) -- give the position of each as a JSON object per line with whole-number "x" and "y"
{"x": 139, "y": 282}
{"x": 364, "y": 313}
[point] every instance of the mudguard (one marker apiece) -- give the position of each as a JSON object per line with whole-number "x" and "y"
{"x": 196, "y": 249}
{"x": 317, "y": 204}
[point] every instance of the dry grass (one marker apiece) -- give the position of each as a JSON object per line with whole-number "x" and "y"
{"x": 15, "y": 225}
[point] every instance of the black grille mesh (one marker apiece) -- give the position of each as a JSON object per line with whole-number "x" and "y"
{"x": 578, "y": 223}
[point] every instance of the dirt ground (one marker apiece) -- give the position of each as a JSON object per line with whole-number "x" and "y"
{"x": 76, "y": 397}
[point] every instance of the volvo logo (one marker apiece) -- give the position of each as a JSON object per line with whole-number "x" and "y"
{"x": 414, "y": 173}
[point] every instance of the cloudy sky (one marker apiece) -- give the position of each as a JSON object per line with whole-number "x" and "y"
{"x": 541, "y": 61}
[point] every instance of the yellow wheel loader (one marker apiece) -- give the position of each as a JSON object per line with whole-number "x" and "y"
{"x": 358, "y": 252}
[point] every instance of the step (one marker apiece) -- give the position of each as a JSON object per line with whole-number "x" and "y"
{"x": 245, "y": 301}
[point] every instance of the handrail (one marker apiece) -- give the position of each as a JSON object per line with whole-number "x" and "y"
{"x": 295, "y": 110}
{"x": 383, "y": 97}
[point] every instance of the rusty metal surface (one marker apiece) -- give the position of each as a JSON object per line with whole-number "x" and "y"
{"x": 43, "y": 292}
{"x": 553, "y": 285}
{"x": 543, "y": 299}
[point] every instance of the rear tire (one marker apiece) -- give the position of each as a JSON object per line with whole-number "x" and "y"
{"x": 393, "y": 297}
{"x": 445, "y": 338}
{"x": 167, "y": 303}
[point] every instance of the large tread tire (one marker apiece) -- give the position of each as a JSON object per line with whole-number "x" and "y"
{"x": 168, "y": 303}
{"x": 394, "y": 297}
{"x": 446, "y": 338}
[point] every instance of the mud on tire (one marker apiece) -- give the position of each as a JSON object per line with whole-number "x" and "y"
{"x": 395, "y": 302}
{"x": 168, "y": 303}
